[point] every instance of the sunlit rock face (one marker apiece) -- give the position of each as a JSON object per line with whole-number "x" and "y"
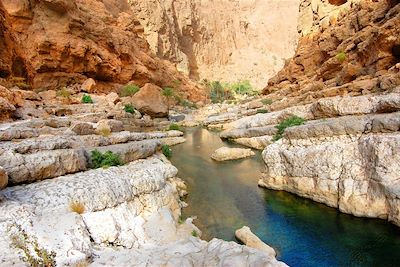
{"x": 53, "y": 44}
{"x": 222, "y": 40}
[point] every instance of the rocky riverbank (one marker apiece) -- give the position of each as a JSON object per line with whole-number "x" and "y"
{"x": 58, "y": 210}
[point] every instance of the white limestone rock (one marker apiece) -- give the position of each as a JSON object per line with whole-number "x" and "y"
{"x": 226, "y": 153}
{"x": 248, "y": 238}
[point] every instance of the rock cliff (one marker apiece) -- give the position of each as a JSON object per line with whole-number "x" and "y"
{"x": 53, "y": 43}
{"x": 347, "y": 47}
{"x": 222, "y": 40}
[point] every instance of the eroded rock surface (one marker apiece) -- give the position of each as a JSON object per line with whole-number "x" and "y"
{"x": 226, "y": 153}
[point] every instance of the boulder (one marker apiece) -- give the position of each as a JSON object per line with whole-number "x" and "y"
{"x": 226, "y": 153}
{"x": 88, "y": 85}
{"x": 3, "y": 178}
{"x": 83, "y": 128}
{"x": 246, "y": 236}
{"x": 6, "y": 109}
{"x": 150, "y": 101}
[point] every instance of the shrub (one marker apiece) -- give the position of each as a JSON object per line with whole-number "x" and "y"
{"x": 261, "y": 110}
{"x": 129, "y": 90}
{"x": 174, "y": 127}
{"x": 63, "y": 92}
{"x": 194, "y": 233}
{"x": 129, "y": 108}
{"x": 34, "y": 255}
{"x": 168, "y": 92}
{"x": 166, "y": 150}
{"x": 104, "y": 131}
{"x": 181, "y": 219}
{"x": 341, "y": 56}
{"x": 241, "y": 87}
{"x": 266, "y": 101}
{"x": 87, "y": 99}
{"x": 107, "y": 159}
{"x": 217, "y": 92}
{"x": 292, "y": 121}
{"x": 76, "y": 206}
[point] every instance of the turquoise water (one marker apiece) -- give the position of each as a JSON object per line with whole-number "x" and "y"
{"x": 225, "y": 196}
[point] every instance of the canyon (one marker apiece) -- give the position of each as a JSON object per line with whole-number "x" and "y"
{"x": 96, "y": 95}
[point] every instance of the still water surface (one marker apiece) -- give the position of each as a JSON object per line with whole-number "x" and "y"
{"x": 225, "y": 196}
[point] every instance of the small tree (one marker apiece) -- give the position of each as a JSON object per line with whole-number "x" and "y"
{"x": 168, "y": 92}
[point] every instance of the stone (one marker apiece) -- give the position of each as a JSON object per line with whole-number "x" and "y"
{"x": 24, "y": 168}
{"x": 88, "y": 85}
{"x": 3, "y": 178}
{"x": 110, "y": 125}
{"x": 6, "y": 109}
{"x": 48, "y": 95}
{"x": 83, "y": 128}
{"x": 150, "y": 101}
{"x": 226, "y": 153}
{"x": 246, "y": 236}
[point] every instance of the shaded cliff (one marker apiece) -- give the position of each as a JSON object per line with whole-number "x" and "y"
{"x": 53, "y": 43}
{"x": 221, "y": 40}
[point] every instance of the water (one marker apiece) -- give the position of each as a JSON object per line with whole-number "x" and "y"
{"x": 225, "y": 196}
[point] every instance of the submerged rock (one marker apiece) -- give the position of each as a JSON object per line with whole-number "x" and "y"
{"x": 226, "y": 153}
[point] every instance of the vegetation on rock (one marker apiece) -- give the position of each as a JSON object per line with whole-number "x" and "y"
{"x": 87, "y": 99}
{"x": 290, "y": 122}
{"x": 106, "y": 159}
{"x": 261, "y": 110}
{"x": 63, "y": 92}
{"x": 76, "y": 206}
{"x": 194, "y": 233}
{"x": 266, "y": 101}
{"x": 174, "y": 127}
{"x": 341, "y": 56}
{"x": 129, "y": 90}
{"x": 166, "y": 150}
{"x": 129, "y": 108}
{"x": 34, "y": 255}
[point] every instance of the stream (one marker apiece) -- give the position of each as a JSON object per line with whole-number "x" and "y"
{"x": 225, "y": 196}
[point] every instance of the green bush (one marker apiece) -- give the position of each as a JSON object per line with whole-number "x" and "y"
{"x": 107, "y": 159}
{"x": 341, "y": 56}
{"x": 292, "y": 121}
{"x": 168, "y": 92}
{"x": 129, "y": 108}
{"x": 241, "y": 87}
{"x": 217, "y": 92}
{"x": 261, "y": 110}
{"x": 129, "y": 90}
{"x": 194, "y": 233}
{"x": 87, "y": 99}
{"x": 174, "y": 127}
{"x": 266, "y": 101}
{"x": 166, "y": 150}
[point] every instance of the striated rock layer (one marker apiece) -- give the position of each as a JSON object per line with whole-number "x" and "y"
{"x": 52, "y": 44}
{"x": 129, "y": 218}
{"x": 347, "y": 47}
{"x": 221, "y": 40}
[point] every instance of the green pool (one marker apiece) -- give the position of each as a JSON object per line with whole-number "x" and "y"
{"x": 225, "y": 196}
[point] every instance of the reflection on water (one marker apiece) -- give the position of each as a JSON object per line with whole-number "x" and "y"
{"x": 225, "y": 196}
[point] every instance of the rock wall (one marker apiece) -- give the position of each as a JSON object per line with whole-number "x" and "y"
{"x": 347, "y": 47}
{"x": 56, "y": 43}
{"x": 221, "y": 40}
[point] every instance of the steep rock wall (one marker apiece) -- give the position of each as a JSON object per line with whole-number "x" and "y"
{"x": 347, "y": 47}
{"x": 63, "y": 42}
{"x": 221, "y": 40}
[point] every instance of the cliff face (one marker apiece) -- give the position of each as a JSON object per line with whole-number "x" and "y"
{"x": 347, "y": 47}
{"x": 221, "y": 40}
{"x": 53, "y": 43}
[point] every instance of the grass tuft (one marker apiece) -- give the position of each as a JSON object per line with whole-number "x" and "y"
{"x": 166, "y": 150}
{"x": 129, "y": 90}
{"x": 76, "y": 206}
{"x": 290, "y": 122}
